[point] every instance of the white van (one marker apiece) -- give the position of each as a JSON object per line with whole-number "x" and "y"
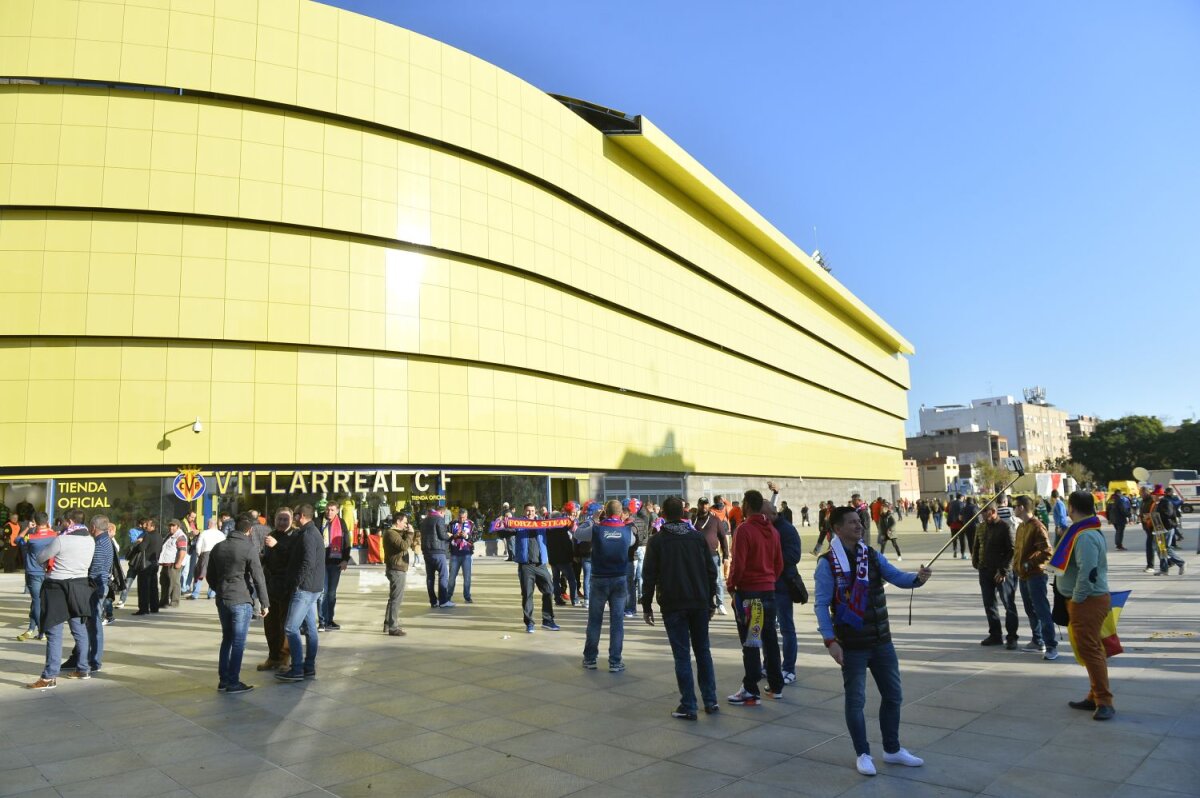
{"x": 1186, "y": 483}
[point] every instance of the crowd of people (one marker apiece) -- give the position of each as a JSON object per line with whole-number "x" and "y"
{"x": 722, "y": 556}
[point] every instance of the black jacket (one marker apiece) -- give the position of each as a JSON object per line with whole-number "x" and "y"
{"x": 275, "y": 560}
{"x": 994, "y": 544}
{"x": 306, "y": 564}
{"x": 233, "y": 565}
{"x": 679, "y": 567}
{"x": 641, "y": 532}
{"x": 435, "y": 534}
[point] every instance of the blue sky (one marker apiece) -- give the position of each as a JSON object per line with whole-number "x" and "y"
{"x": 1013, "y": 186}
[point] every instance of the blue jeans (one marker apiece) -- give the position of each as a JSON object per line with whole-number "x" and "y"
{"x": 302, "y": 609}
{"x": 235, "y": 623}
{"x": 722, "y": 596}
{"x": 185, "y": 574}
{"x": 587, "y": 577}
{"x": 635, "y": 575}
{"x": 436, "y": 567}
{"x": 751, "y": 661}
{"x": 787, "y": 629}
{"x": 885, "y": 669}
{"x": 328, "y": 602}
{"x": 610, "y": 590}
{"x": 457, "y": 562}
{"x": 1037, "y": 609}
{"x": 33, "y": 583}
{"x": 95, "y": 628}
{"x": 54, "y": 639}
{"x": 687, "y": 630}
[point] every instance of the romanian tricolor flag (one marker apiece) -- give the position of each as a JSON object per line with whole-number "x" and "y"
{"x": 1108, "y": 629}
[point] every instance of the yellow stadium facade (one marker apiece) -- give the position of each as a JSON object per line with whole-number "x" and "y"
{"x": 348, "y": 250}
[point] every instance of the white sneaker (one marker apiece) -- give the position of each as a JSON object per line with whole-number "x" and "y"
{"x": 899, "y": 558}
{"x": 903, "y": 757}
{"x": 721, "y": 610}
{"x": 1150, "y": 571}
{"x": 865, "y": 765}
{"x": 789, "y": 678}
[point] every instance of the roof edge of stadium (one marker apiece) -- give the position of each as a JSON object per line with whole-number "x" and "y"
{"x": 606, "y": 120}
{"x": 638, "y": 136}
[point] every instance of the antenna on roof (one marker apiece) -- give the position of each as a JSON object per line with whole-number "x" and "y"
{"x": 816, "y": 253}
{"x": 1035, "y": 395}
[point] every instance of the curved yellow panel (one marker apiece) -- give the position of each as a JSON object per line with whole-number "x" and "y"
{"x": 336, "y": 62}
{"x": 301, "y": 170}
{"x": 340, "y": 241}
{"x": 202, "y": 279}
{"x": 108, "y": 403}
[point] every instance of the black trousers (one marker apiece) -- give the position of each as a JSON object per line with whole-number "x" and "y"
{"x": 1119, "y": 535}
{"x": 147, "y": 586}
{"x": 996, "y": 596}
{"x": 536, "y": 576}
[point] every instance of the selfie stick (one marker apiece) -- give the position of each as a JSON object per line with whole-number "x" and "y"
{"x": 1013, "y": 464}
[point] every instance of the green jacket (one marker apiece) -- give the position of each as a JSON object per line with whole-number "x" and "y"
{"x": 1087, "y": 570}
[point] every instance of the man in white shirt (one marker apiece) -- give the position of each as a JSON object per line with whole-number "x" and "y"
{"x": 204, "y": 545}
{"x": 170, "y": 564}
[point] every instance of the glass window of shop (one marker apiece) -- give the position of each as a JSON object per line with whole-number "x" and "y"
{"x": 125, "y": 500}
{"x": 370, "y": 510}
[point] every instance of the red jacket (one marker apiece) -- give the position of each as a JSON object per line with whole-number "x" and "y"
{"x": 757, "y": 558}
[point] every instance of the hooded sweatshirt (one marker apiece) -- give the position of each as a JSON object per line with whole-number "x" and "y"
{"x": 757, "y": 557}
{"x": 679, "y": 570}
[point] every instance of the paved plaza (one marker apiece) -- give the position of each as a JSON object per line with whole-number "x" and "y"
{"x": 468, "y": 704}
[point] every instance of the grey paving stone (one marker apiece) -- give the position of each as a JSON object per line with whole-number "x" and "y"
{"x": 19, "y": 780}
{"x": 671, "y": 780}
{"x": 941, "y": 717}
{"x": 1181, "y": 777}
{"x": 336, "y": 768}
{"x": 401, "y": 782}
{"x": 983, "y": 747}
{"x": 730, "y": 758}
{"x": 421, "y": 747}
{"x": 479, "y": 763}
{"x": 945, "y": 770}
{"x": 1038, "y": 729}
{"x": 130, "y": 784}
{"x": 287, "y": 752}
{"x": 811, "y": 778}
{"x": 192, "y": 772}
{"x": 539, "y": 746}
{"x": 1105, "y": 766}
{"x": 884, "y": 786}
{"x": 531, "y": 781}
{"x": 1022, "y": 783}
{"x": 1179, "y": 749}
{"x": 273, "y": 783}
{"x": 777, "y": 737}
{"x": 597, "y": 761}
{"x": 487, "y": 730}
{"x": 74, "y": 769}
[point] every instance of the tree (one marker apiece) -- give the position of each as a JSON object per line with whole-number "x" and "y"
{"x": 1117, "y": 446}
{"x": 1066, "y": 465}
{"x": 1181, "y": 448}
{"x": 989, "y": 478}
